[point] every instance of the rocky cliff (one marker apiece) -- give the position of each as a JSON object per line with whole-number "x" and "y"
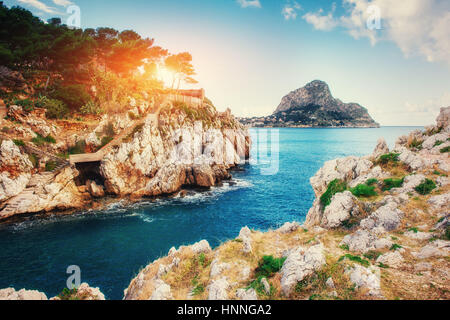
{"x": 184, "y": 146}
{"x": 314, "y": 106}
{"x": 379, "y": 229}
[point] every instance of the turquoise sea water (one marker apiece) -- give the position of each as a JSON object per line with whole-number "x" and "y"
{"x": 111, "y": 246}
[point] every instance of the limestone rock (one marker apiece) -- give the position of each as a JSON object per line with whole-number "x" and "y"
{"x": 361, "y": 241}
{"x": 443, "y": 120}
{"x": 440, "y": 202}
{"x": 201, "y": 247}
{"x": 343, "y": 206}
{"x": 266, "y": 285}
{"x": 391, "y": 259}
{"x": 217, "y": 290}
{"x": 244, "y": 233}
{"x": 85, "y": 292}
{"x": 289, "y": 227}
{"x": 217, "y": 268}
{"x": 11, "y": 294}
{"x": 381, "y": 149}
{"x": 246, "y": 295}
{"x": 95, "y": 190}
{"x": 162, "y": 291}
{"x": 366, "y": 278}
{"x": 300, "y": 263}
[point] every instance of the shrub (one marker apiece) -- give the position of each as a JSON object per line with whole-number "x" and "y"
{"x": 50, "y": 166}
{"x": 56, "y": 109}
{"x": 371, "y": 182}
{"x": 268, "y": 266}
{"x": 390, "y": 157}
{"x": 426, "y": 187}
{"x": 438, "y": 143}
{"x": 109, "y": 130}
{"x": 74, "y": 96}
{"x": 19, "y": 143}
{"x": 372, "y": 255}
{"x": 78, "y": 148}
{"x": 91, "y": 108}
{"x": 26, "y": 104}
{"x": 34, "y": 160}
{"x": 40, "y": 140}
{"x": 363, "y": 190}
{"x": 334, "y": 187}
{"x": 67, "y": 294}
{"x": 389, "y": 184}
{"x": 445, "y": 150}
{"x": 105, "y": 141}
{"x": 395, "y": 247}
{"x": 357, "y": 259}
{"x": 416, "y": 144}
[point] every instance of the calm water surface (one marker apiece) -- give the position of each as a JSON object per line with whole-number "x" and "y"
{"x": 111, "y": 246}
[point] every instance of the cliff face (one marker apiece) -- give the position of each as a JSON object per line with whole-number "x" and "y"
{"x": 379, "y": 229}
{"x": 314, "y": 105}
{"x": 180, "y": 151}
{"x": 184, "y": 146}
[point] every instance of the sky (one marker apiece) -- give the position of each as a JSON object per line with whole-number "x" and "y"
{"x": 392, "y": 57}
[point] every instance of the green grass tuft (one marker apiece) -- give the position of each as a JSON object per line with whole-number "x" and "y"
{"x": 334, "y": 187}
{"x": 426, "y": 187}
{"x": 389, "y": 184}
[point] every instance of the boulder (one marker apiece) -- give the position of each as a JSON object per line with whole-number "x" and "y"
{"x": 217, "y": 290}
{"x": 85, "y": 292}
{"x": 162, "y": 291}
{"x": 201, "y": 247}
{"x": 11, "y": 294}
{"x": 289, "y": 227}
{"x": 366, "y": 278}
{"x": 440, "y": 201}
{"x": 300, "y": 263}
{"x": 361, "y": 241}
{"x": 95, "y": 190}
{"x": 443, "y": 120}
{"x": 381, "y": 148}
{"x": 343, "y": 206}
{"x": 391, "y": 259}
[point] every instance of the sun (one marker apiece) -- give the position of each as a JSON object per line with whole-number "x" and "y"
{"x": 165, "y": 75}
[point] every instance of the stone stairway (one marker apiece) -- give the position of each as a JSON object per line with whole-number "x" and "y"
{"x": 13, "y": 204}
{"x": 118, "y": 140}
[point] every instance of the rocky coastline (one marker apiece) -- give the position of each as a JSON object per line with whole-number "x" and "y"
{"x": 185, "y": 148}
{"x": 378, "y": 229}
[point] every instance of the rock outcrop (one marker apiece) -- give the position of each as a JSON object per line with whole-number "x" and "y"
{"x": 314, "y": 106}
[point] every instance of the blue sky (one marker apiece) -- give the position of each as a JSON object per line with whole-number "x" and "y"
{"x": 250, "y": 53}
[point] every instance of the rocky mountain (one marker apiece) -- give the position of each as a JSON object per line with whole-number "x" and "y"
{"x": 314, "y": 106}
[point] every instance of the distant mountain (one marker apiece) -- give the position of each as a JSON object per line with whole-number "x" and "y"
{"x": 314, "y": 106}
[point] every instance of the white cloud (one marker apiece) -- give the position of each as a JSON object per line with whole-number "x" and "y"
{"x": 38, "y": 5}
{"x": 321, "y": 21}
{"x": 63, "y": 3}
{"x": 430, "y": 107}
{"x": 249, "y": 3}
{"x": 417, "y": 27}
{"x": 289, "y": 11}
